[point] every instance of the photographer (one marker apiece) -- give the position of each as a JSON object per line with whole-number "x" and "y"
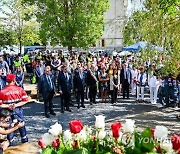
{"x": 4, "y": 118}
{"x": 13, "y": 98}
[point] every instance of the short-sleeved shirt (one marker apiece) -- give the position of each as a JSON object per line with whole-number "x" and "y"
{"x": 12, "y": 94}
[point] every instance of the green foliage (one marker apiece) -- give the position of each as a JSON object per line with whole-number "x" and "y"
{"x": 19, "y": 18}
{"x": 158, "y": 24}
{"x": 71, "y": 23}
{"x": 6, "y": 36}
{"x": 144, "y": 143}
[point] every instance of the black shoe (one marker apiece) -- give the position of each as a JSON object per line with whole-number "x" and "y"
{"x": 62, "y": 111}
{"x": 91, "y": 103}
{"x": 78, "y": 106}
{"x": 47, "y": 115}
{"x": 52, "y": 113}
{"x": 71, "y": 104}
{"x": 83, "y": 106}
{"x": 24, "y": 140}
{"x": 69, "y": 110}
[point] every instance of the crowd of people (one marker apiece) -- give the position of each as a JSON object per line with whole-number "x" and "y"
{"x": 90, "y": 76}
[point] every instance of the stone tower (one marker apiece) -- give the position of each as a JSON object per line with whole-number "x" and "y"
{"x": 115, "y": 19}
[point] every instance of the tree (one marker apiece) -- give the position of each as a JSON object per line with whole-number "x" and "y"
{"x": 20, "y": 19}
{"x": 158, "y": 23}
{"x": 71, "y": 23}
{"x": 6, "y": 36}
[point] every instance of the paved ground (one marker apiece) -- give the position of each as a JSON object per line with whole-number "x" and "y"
{"x": 143, "y": 114}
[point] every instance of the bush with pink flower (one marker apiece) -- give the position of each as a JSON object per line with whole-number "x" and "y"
{"x": 121, "y": 139}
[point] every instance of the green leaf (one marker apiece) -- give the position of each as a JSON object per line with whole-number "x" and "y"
{"x": 47, "y": 151}
{"x": 147, "y": 144}
{"x": 78, "y": 151}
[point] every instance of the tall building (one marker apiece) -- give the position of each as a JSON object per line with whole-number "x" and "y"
{"x": 115, "y": 19}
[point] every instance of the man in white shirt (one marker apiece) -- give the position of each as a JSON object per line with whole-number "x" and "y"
{"x": 153, "y": 86}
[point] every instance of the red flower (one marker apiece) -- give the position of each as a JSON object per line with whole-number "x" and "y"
{"x": 93, "y": 138}
{"x": 75, "y": 126}
{"x": 152, "y": 131}
{"x": 56, "y": 143}
{"x": 41, "y": 144}
{"x": 75, "y": 145}
{"x": 158, "y": 149}
{"x": 175, "y": 139}
{"x": 116, "y": 129}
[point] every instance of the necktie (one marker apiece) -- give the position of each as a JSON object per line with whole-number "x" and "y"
{"x": 81, "y": 75}
{"x": 141, "y": 78}
{"x": 1, "y": 85}
{"x": 50, "y": 82}
{"x": 125, "y": 74}
{"x": 66, "y": 77}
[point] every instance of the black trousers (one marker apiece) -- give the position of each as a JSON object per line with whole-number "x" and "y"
{"x": 92, "y": 93}
{"x": 48, "y": 105}
{"x": 114, "y": 94}
{"x": 65, "y": 100}
{"x": 125, "y": 88}
{"x": 80, "y": 97}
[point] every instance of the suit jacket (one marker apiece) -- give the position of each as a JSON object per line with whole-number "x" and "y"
{"x": 90, "y": 80}
{"x": 38, "y": 73}
{"x": 122, "y": 77}
{"x": 9, "y": 60}
{"x": 44, "y": 86}
{"x": 78, "y": 82}
{"x": 64, "y": 85}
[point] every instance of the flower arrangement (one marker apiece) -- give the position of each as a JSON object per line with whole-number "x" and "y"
{"x": 121, "y": 139}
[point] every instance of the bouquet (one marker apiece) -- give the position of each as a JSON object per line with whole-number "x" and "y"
{"x": 120, "y": 139}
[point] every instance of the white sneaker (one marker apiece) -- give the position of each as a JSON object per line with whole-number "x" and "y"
{"x": 159, "y": 105}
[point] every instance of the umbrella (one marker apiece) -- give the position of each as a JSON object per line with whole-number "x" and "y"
{"x": 141, "y": 45}
{"x": 125, "y": 53}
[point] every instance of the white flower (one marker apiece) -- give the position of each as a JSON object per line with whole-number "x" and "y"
{"x": 167, "y": 147}
{"x": 40, "y": 151}
{"x": 82, "y": 135}
{"x": 67, "y": 135}
{"x": 161, "y": 133}
{"x": 56, "y": 129}
{"x": 101, "y": 135}
{"x": 129, "y": 126}
{"x": 100, "y": 121}
{"x": 47, "y": 139}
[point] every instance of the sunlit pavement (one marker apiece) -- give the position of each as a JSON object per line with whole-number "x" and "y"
{"x": 144, "y": 114}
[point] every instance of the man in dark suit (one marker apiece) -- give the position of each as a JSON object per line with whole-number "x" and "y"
{"x": 10, "y": 61}
{"x": 125, "y": 80}
{"x": 92, "y": 79}
{"x": 79, "y": 84}
{"x": 47, "y": 89}
{"x": 65, "y": 88}
{"x": 39, "y": 70}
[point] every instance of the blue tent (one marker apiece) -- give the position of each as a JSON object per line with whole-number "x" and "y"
{"x": 141, "y": 45}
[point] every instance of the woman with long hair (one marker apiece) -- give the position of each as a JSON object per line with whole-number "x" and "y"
{"x": 104, "y": 78}
{"x": 114, "y": 85}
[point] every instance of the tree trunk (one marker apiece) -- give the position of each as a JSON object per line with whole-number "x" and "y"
{"x": 20, "y": 45}
{"x": 70, "y": 49}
